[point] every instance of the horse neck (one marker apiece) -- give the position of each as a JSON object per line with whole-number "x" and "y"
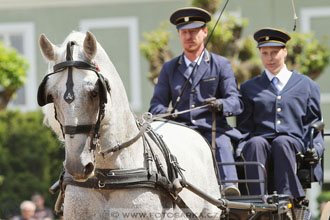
{"x": 119, "y": 126}
{"x": 118, "y": 131}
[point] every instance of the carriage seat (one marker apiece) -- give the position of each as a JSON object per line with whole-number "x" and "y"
{"x": 304, "y": 172}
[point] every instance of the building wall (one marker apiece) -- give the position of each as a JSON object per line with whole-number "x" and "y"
{"x": 119, "y": 26}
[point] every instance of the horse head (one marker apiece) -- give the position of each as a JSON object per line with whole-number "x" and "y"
{"x": 78, "y": 93}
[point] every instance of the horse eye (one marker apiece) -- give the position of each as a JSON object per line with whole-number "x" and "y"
{"x": 94, "y": 94}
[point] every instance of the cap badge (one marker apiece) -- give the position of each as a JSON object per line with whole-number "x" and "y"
{"x": 267, "y": 38}
{"x": 186, "y": 19}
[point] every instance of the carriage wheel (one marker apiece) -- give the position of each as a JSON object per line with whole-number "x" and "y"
{"x": 326, "y": 212}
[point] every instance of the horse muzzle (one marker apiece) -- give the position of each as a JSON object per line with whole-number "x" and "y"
{"x": 79, "y": 171}
{"x": 79, "y": 162}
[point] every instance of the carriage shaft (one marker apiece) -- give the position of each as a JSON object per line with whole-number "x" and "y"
{"x": 224, "y": 203}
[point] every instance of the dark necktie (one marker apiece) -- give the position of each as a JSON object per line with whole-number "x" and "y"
{"x": 275, "y": 84}
{"x": 189, "y": 70}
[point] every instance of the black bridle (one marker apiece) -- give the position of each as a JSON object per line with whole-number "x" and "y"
{"x": 44, "y": 98}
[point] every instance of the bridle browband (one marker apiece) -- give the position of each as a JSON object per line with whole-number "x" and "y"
{"x": 69, "y": 96}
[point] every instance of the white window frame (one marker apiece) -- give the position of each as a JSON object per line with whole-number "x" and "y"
{"x": 27, "y": 30}
{"x": 307, "y": 14}
{"x": 131, "y": 23}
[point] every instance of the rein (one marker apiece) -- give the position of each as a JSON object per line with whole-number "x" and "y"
{"x": 147, "y": 118}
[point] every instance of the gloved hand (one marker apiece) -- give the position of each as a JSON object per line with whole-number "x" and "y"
{"x": 214, "y": 105}
{"x": 311, "y": 156}
{"x": 173, "y": 116}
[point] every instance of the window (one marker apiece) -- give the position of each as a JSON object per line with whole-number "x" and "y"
{"x": 21, "y": 37}
{"x": 133, "y": 65}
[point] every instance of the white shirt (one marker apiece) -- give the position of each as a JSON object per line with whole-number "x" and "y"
{"x": 188, "y": 61}
{"x": 283, "y": 76}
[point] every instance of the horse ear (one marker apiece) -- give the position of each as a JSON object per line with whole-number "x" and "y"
{"x": 47, "y": 48}
{"x": 90, "y": 46}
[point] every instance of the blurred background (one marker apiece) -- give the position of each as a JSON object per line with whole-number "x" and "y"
{"x": 138, "y": 38}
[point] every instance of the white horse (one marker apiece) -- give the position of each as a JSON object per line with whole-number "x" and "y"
{"x": 117, "y": 126}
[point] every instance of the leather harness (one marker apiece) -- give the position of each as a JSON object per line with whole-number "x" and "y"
{"x": 166, "y": 181}
{"x": 110, "y": 179}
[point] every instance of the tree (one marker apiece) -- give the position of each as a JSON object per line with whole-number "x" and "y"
{"x": 156, "y": 50}
{"x": 31, "y": 160}
{"x": 305, "y": 53}
{"x": 13, "y": 68}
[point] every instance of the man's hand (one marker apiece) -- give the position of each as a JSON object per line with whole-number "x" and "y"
{"x": 214, "y": 105}
{"x": 311, "y": 156}
{"x": 173, "y": 116}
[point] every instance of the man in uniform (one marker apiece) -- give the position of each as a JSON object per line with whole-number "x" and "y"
{"x": 279, "y": 107}
{"x": 212, "y": 83}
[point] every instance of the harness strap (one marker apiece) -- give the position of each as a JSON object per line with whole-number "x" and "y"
{"x": 78, "y": 129}
{"x": 77, "y": 64}
{"x": 173, "y": 168}
{"x": 148, "y": 154}
{"x": 69, "y": 94}
{"x": 159, "y": 165}
{"x": 127, "y": 179}
{"x": 127, "y": 143}
{"x": 132, "y": 179}
{"x": 165, "y": 115}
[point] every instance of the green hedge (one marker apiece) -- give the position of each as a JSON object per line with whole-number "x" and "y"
{"x": 31, "y": 160}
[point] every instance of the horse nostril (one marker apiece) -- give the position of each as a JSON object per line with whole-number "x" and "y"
{"x": 88, "y": 169}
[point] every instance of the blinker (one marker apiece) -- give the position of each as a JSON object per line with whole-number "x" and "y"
{"x": 44, "y": 99}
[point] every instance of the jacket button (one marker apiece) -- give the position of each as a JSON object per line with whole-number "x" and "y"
{"x": 193, "y": 121}
{"x": 193, "y": 106}
{"x": 278, "y": 109}
{"x": 278, "y": 122}
{"x": 279, "y": 97}
{"x": 193, "y": 91}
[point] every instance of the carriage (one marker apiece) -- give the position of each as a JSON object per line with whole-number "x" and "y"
{"x": 118, "y": 166}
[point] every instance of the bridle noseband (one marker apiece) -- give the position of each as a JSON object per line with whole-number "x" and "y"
{"x": 69, "y": 96}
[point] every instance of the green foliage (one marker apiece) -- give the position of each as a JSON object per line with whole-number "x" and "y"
{"x": 323, "y": 197}
{"x": 156, "y": 49}
{"x": 13, "y": 68}
{"x": 225, "y": 38}
{"x": 307, "y": 55}
{"x": 30, "y": 159}
{"x": 227, "y": 41}
{"x": 209, "y": 5}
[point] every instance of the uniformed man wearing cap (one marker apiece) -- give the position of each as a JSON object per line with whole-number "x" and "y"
{"x": 212, "y": 83}
{"x": 279, "y": 107}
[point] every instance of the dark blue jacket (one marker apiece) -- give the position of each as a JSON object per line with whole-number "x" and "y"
{"x": 214, "y": 78}
{"x": 290, "y": 113}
